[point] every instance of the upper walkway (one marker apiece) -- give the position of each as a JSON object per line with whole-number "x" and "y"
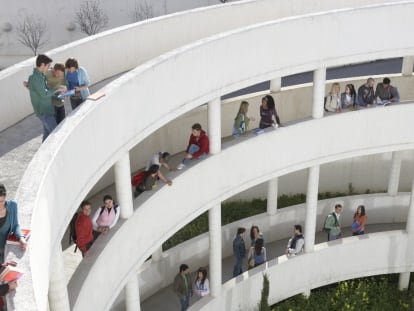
{"x": 50, "y": 207}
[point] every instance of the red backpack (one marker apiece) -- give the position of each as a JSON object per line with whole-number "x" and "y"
{"x": 138, "y": 178}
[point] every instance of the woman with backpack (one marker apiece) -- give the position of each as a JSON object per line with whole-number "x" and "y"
{"x": 257, "y": 254}
{"x": 241, "y": 122}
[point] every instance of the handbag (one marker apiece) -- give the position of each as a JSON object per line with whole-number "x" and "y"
{"x": 251, "y": 262}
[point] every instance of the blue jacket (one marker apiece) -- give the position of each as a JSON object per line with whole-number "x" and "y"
{"x": 239, "y": 249}
{"x": 83, "y": 79}
{"x": 11, "y": 207}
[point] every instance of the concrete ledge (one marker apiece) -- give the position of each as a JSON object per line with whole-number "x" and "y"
{"x": 381, "y": 208}
{"x": 291, "y": 277}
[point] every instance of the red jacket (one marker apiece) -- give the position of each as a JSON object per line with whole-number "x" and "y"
{"x": 83, "y": 228}
{"x": 202, "y": 141}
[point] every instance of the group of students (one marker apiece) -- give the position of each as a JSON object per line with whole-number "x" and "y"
{"x": 198, "y": 148}
{"x": 257, "y": 255}
{"x": 384, "y": 94}
{"x": 268, "y": 117}
{"x": 332, "y": 224}
{"x": 84, "y": 230}
{"x": 49, "y": 86}
{"x": 257, "y": 252}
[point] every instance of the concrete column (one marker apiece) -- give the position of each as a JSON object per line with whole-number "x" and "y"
{"x": 275, "y": 85}
{"x": 58, "y": 293}
{"x": 311, "y": 208}
{"x": 132, "y": 302}
{"x": 407, "y": 65}
{"x": 214, "y": 225}
{"x": 272, "y": 196}
{"x": 394, "y": 178}
{"x": 404, "y": 279}
{"x": 122, "y": 170}
{"x": 214, "y": 125}
{"x": 319, "y": 78}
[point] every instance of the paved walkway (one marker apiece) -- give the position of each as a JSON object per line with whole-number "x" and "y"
{"x": 165, "y": 299}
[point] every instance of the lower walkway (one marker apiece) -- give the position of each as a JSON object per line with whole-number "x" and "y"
{"x": 165, "y": 299}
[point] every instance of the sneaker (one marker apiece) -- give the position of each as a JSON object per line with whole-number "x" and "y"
{"x": 180, "y": 166}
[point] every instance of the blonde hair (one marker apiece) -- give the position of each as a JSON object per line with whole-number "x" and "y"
{"x": 334, "y": 85}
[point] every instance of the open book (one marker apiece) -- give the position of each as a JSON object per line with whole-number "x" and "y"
{"x": 68, "y": 93}
{"x": 12, "y": 239}
{"x": 10, "y": 273}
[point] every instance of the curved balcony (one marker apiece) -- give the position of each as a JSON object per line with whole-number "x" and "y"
{"x": 51, "y": 208}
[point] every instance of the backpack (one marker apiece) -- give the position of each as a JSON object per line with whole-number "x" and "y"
{"x": 324, "y": 104}
{"x": 138, "y": 179}
{"x": 327, "y": 230}
{"x": 72, "y": 230}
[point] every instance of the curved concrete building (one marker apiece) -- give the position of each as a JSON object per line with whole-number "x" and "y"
{"x": 207, "y": 53}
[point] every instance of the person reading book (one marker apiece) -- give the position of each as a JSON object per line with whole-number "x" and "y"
{"x": 9, "y": 222}
{"x": 7, "y": 287}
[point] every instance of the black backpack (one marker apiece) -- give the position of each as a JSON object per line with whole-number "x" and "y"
{"x": 327, "y": 230}
{"x": 72, "y": 230}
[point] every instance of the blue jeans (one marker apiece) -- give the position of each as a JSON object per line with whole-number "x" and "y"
{"x": 185, "y": 302}
{"x": 49, "y": 124}
{"x": 332, "y": 237}
{"x": 237, "y": 270}
{"x": 60, "y": 114}
{"x": 191, "y": 150}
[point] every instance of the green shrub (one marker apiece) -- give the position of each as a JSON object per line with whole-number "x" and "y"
{"x": 264, "y": 300}
{"x": 236, "y": 210}
{"x": 372, "y": 293}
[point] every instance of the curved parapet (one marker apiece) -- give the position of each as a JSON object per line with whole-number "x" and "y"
{"x": 156, "y": 274}
{"x": 294, "y": 276}
{"x": 229, "y": 181}
{"x": 51, "y": 207}
{"x": 121, "y": 49}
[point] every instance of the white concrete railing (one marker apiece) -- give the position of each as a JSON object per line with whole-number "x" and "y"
{"x": 198, "y": 179}
{"x": 381, "y": 208}
{"x": 173, "y": 138}
{"x": 52, "y": 208}
{"x": 102, "y": 56}
{"x": 294, "y": 276}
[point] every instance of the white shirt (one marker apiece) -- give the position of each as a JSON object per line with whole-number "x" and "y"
{"x": 155, "y": 159}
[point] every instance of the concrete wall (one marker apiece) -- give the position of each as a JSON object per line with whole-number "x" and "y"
{"x": 60, "y": 19}
{"x": 103, "y": 58}
{"x": 154, "y": 275}
{"x": 49, "y": 207}
{"x": 243, "y": 293}
{"x": 197, "y": 180}
{"x": 293, "y": 104}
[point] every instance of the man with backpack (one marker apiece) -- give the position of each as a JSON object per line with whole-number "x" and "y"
{"x": 106, "y": 216}
{"x": 332, "y": 224}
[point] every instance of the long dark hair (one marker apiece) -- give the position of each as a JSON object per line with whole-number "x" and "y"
{"x": 252, "y": 236}
{"x": 204, "y": 274}
{"x": 362, "y": 211}
{"x": 258, "y": 246}
{"x": 270, "y": 102}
